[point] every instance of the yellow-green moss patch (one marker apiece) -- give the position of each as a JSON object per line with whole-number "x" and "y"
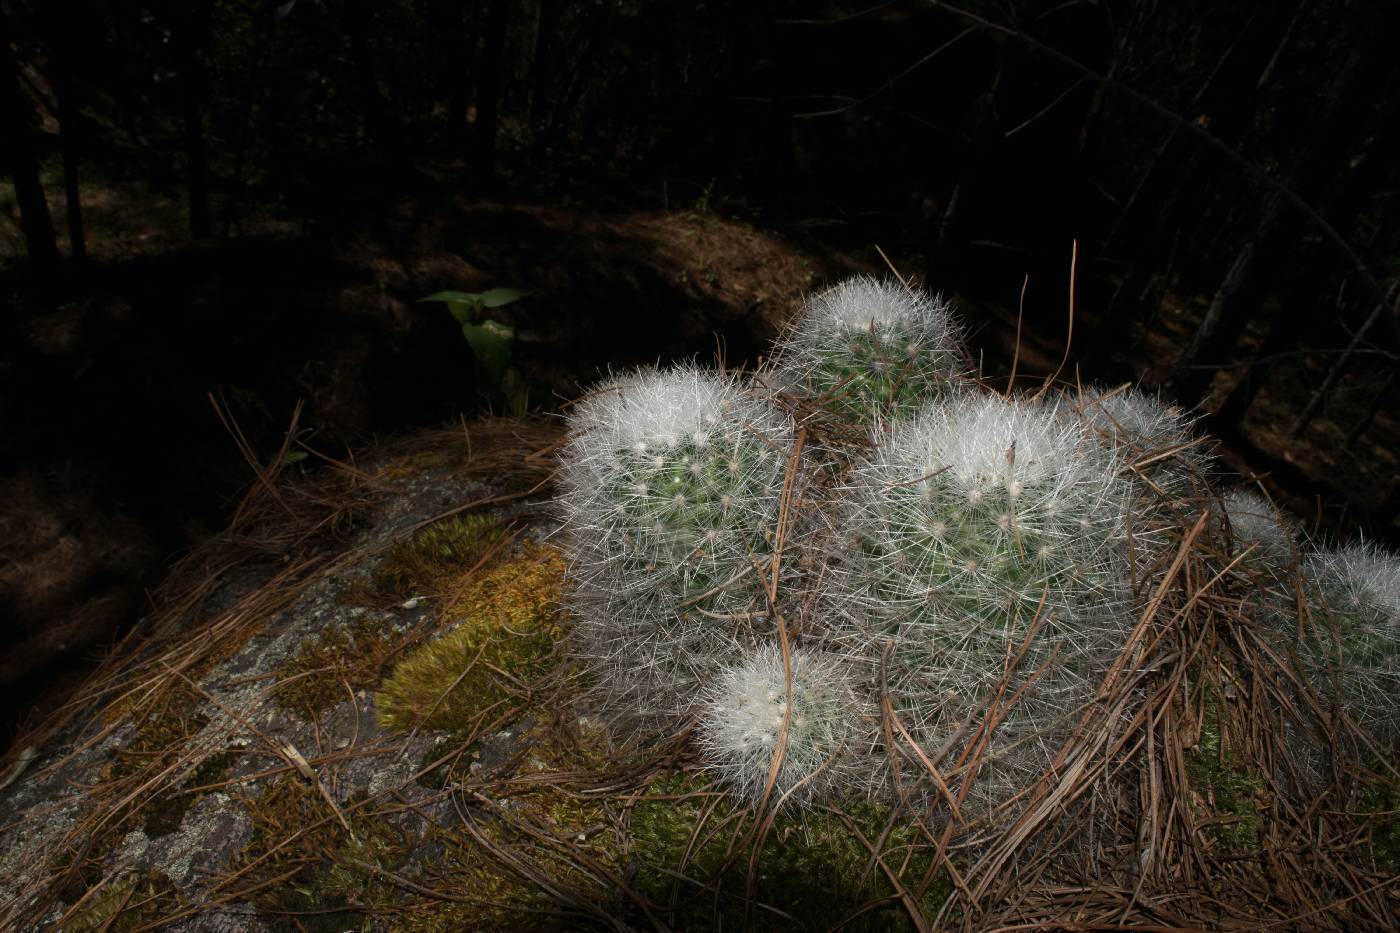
{"x": 427, "y": 562}
{"x": 508, "y": 624}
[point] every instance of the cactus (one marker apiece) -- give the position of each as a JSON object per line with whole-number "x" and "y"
{"x": 867, "y": 349}
{"x": 671, "y": 489}
{"x": 1155, "y": 438}
{"x": 973, "y": 570}
{"x": 1350, "y": 646}
{"x": 1261, "y": 533}
{"x": 972, "y": 524}
{"x": 829, "y": 730}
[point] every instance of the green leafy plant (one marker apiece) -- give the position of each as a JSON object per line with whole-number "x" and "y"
{"x": 491, "y": 342}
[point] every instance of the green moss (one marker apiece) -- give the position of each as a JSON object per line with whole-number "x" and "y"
{"x": 508, "y": 624}
{"x": 1226, "y": 784}
{"x": 132, "y": 903}
{"x": 429, "y": 560}
{"x": 493, "y": 899}
{"x": 1378, "y": 809}
{"x": 316, "y": 676}
{"x": 538, "y": 797}
{"x": 297, "y": 839}
{"x": 812, "y": 871}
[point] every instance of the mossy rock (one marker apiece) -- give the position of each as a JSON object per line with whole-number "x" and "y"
{"x": 315, "y": 678}
{"x": 318, "y": 861}
{"x": 508, "y": 622}
{"x": 127, "y": 904}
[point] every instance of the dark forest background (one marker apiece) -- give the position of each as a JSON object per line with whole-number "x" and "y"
{"x": 242, "y": 202}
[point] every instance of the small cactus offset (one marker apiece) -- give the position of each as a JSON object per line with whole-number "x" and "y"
{"x": 988, "y": 532}
{"x": 867, "y": 349}
{"x": 829, "y": 730}
{"x": 1155, "y": 439}
{"x": 672, "y": 483}
{"x": 1261, "y": 535}
{"x": 1350, "y": 647}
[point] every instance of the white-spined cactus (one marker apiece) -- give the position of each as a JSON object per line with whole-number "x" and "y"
{"x": 829, "y": 729}
{"x": 1350, "y": 646}
{"x": 1260, "y": 532}
{"x": 867, "y": 349}
{"x": 975, "y": 525}
{"x": 1154, "y": 438}
{"x": 671, "y": 485}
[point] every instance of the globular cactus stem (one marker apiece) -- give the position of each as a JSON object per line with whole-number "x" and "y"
{"x": 976, "y": 524}
{"x": 671, "y": 483}
{"x": 867, "y": 349}
{"x": 1350, "y": 649}
{"x": 1155, "y": 439}
{"x": 1261, "y": 535}
{"x": 825, "y": 732}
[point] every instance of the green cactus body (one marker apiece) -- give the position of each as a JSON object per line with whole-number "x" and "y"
{"x": 868, "y": 350}
{"x": 672, "y": 482}
{"x": 1350, "y": 650}
{"x": 885, "y": 368}
{"x": 978, "y": 521}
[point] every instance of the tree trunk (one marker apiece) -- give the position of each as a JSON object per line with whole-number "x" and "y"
{"x": 68, "y": 139}
{"x": 193, "y": 95}
{"x": 16, "y": 121}
{"x": 489, "y": 90}
{"x": 542, "y": 62}
{"x": 1161, "y": 207}
{"x": 454, "y": 52}
{"x": 1210, "y": 346}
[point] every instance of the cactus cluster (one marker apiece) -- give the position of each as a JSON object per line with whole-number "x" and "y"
{"x": 964, "y": 580}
